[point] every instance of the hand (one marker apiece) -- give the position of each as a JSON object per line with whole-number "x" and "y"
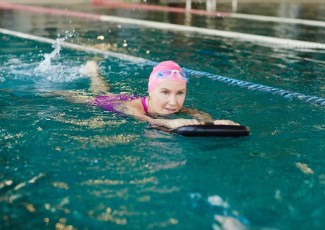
{"x": 224, "y": 122}
{"x": 176, "y": 123}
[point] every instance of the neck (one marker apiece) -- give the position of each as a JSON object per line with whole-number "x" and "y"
{"x": 151, "y": 107}
{"x": 148, "y": 102}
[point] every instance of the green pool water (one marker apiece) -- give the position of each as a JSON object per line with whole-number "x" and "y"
{"x": 77, "y": 166}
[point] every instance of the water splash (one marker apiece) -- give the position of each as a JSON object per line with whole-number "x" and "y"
{"x": 2, "y": 79}
{"x": 45, "y": 65}
{"x": 224, "y": 217}
{"x": 52, "y": 69}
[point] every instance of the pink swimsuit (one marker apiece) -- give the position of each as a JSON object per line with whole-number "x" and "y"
{"x": 109, "y": 102}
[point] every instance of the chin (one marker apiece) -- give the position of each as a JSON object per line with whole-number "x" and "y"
{"x": 168, "y": 112}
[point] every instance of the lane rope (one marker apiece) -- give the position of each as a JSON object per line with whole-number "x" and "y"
{"x": 254, "y": 17}
{"x": 276, "y": 42}
{"x": 230, "y": 81}
{"x": 261, "y": 88}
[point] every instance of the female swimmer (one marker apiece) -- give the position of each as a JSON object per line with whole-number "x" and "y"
{"x": 167, "y": 91}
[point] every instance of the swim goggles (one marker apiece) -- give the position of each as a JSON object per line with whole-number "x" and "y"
{"x": 169, "y": 73}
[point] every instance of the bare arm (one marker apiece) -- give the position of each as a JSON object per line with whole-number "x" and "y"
{"x": 205, "y": 117}
{"x": 134, "y": 109}
{"x": 168, "y": 123}
{"x": 201, "y": 116}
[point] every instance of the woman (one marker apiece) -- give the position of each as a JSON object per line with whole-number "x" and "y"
{"x": 167, "y": 92}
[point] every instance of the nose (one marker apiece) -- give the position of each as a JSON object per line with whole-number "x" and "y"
{"x": 172, "y": 100}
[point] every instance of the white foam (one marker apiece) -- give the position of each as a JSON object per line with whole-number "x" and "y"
{"x": 14, "y": 61}
{"x": 45, "y": 65}
{"x": 217, "y": 201}
{"x": 59, "y": 73}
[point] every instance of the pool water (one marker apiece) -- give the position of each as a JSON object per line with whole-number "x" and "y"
{"x": 66, "y": 165}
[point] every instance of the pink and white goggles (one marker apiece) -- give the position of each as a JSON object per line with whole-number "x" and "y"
{"x": 170, "y": 73}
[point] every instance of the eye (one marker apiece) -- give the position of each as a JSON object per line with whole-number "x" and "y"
{"x": 165, "y": 92}
{"x": 180, "y": 93}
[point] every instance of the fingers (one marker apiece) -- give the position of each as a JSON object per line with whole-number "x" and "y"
{"x": 183, "y": 122}
{"x": 225, "y": 122}
{"x": 195, "y": 122}
{"x": 192, "y": 122}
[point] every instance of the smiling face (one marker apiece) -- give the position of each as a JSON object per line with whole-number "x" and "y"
{"x": 168, "y": 97}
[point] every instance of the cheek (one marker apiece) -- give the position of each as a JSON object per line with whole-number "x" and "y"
{"x": 158, "y": 100}
{"x": 181, "y": 99}
{"x": 161, "y": 98}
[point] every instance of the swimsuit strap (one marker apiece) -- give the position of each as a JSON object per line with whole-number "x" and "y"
{"x": 144, "y": 104}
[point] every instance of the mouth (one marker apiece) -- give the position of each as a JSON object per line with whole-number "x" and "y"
{"x": 169, "y": 110}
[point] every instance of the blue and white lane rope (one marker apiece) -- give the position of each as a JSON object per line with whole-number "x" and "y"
{"x": 230, "y": 81}
{"x": 261, "y": 88}
{"x": 259, "y": 39}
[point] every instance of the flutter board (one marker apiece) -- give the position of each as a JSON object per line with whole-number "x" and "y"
{"x": 212, "y": 130}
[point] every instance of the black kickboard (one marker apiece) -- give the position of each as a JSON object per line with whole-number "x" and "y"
{"x": 212, "y": 130}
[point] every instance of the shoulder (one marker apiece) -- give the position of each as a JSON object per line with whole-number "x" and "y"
{"x": 136, "y": 103}
{"x": 133, "y": 107}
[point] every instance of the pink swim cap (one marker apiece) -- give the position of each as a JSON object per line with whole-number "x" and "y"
{"x": 161, "y": 67}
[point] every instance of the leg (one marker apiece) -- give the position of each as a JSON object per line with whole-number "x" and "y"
{"x": 98, "y": 83}
{"x": 74, "y": 96}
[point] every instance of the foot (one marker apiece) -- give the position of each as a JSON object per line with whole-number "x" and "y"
{"x": 229, "y": 223}
{"x": 89, "y": 69}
